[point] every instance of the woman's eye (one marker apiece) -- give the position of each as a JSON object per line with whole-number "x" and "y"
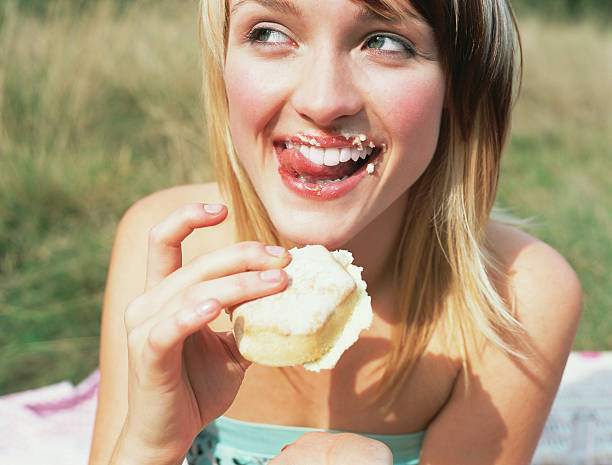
{"x": 388, "y": 44}
{"x": 268, "y": 36}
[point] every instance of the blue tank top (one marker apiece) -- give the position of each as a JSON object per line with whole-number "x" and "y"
{"x": 233, "y": 442}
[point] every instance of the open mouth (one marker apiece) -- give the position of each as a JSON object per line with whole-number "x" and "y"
{"x": 324, "y": 166}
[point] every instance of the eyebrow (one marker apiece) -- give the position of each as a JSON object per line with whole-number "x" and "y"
{"x": 288, "y": 7}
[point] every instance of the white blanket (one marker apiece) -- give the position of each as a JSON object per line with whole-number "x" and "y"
{"x": 53, "y": 425}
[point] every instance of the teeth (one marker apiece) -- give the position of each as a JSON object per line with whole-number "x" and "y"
{"x": 317, "y": 155}
{"x": 331, "y": 156}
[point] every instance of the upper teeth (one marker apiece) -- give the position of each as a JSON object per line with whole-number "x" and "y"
{"x": 331, "y": 156}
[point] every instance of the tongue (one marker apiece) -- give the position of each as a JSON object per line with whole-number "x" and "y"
{"x": 298, "y": 165}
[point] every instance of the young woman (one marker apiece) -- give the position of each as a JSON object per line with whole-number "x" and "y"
{"x": 473, "y": 320}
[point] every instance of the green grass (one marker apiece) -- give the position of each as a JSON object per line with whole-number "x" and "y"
{"x": 99, "y": 108}
{"x": 558, "y": 168}
{"x": 566, "y": 10}
{"x": 96, "y": 111}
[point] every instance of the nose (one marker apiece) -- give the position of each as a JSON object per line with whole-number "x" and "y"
{"x": 326, "y": 90}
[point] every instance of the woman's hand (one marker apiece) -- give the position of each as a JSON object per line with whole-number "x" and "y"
{"x": 183, "y": 375}
{"x": 334, "y": 449}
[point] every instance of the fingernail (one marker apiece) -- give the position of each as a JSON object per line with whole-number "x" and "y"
{"x": 213, "y": 208}
{"x": 270, "y": 275}
{"x": 207, "y": 308}
{"x": 275, "y": 250}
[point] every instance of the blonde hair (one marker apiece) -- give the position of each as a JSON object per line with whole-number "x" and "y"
{"x": 445, "y": 268}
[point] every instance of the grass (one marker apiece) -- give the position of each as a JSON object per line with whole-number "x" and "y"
{"x": 558, "y": 167}
{"x": 96, "y": 111}
{"x": 99, "y": 108}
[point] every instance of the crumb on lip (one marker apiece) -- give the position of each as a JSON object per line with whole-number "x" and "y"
{"x": 357, "y": 140}
{"x": 357, "y": 143}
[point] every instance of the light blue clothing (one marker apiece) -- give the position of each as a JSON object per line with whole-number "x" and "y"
{"x": 232, "y": 442}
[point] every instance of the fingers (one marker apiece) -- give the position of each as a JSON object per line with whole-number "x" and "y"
{"x": 165, "y": 339}
{"x": 228, "y": 290}
{"x": 236, "y": 258}
{"x": 165, "y": 254}
{"x": 236, "y": 289}
{"x": 230, "y": 260}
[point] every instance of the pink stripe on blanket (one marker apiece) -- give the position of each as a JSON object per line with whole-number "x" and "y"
{"x": 83, "y": 392}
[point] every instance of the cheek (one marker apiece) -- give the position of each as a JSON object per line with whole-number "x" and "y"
{"x": 413, "y": 116}
{"x": 243, "y": 99}
{"x": 416, "y": 111}
{"x": 253, "y": 98}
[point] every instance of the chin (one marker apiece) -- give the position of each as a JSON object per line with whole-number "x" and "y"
{"x": 301, "y": 234}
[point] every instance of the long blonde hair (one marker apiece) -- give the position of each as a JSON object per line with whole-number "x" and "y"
{"x": 445, "y": 268}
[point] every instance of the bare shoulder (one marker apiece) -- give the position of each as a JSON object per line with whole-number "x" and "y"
{"x": 481, "y": 422}
{"x": 539, "y": 281}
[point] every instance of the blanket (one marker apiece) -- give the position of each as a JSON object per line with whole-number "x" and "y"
{"x": 53, "y": 425}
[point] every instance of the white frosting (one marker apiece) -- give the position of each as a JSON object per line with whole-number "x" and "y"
{"x": 315, "y": 278}
{"x": 322, "y": 286}
{"x": 360, "y": 319}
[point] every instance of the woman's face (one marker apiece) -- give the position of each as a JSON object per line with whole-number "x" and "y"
{"x": 311, "y": 83}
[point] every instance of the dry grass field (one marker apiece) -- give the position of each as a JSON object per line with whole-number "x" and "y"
{"x": 100, "y": 108}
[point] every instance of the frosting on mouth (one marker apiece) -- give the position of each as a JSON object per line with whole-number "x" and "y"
{"x": 345, "y": 139}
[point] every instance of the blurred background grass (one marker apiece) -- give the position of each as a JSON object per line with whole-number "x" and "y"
{"x": 99, "y": 106}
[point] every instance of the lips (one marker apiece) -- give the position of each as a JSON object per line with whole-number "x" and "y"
{"x": 323, "y": 167}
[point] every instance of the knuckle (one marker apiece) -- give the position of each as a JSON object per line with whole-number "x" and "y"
{"x": 185, "y": 214}
{"x": 190, "y": 211}
{"x": 247, "y": 248}
{"x": 251, "y": 254}
{"x": 131, "y": 312}
{"x": 134, "y": 340}
{"x": 243, "y": 282}
{"x": 156, "y": 234}
{"x": 181, "y": 321}
{"x": 190, "y": 297}
{"x": 154, "y": 340}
